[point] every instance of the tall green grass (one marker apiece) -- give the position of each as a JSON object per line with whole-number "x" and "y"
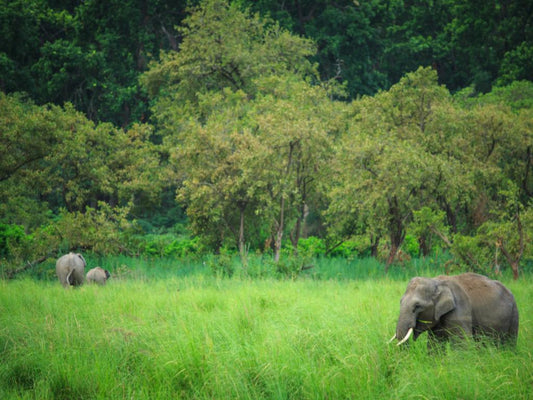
{"x": 259, "y": 266}
{"x": 203, "y": 337}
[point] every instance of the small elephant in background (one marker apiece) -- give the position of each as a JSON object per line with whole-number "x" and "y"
{"x": 98, "y": 275}
{"x": 466, "y": 305}
{"x": 70, "y": 269}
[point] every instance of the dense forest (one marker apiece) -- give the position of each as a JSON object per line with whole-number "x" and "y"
{"x": 383, "y": 128}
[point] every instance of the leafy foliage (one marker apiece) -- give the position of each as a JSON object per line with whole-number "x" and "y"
{"x": 248, "y": 133}
{"x": 11, "y": 238}
{"x": 80, "y": 52}
{"x": 240, "y": 83}
{"x": 372, "y": 44}
{"x": 60, "y": 51}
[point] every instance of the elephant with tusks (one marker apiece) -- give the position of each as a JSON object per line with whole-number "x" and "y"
{"x": 98, "y": 275}
{"x": 466, "y": 305}
{"x": 70, "y": 269}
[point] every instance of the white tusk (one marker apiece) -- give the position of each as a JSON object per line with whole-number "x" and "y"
{"x": 409, "y": 333}
{"x": 392, "y": 338}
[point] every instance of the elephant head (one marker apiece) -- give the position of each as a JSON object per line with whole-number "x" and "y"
{"x": 422, "y": 306}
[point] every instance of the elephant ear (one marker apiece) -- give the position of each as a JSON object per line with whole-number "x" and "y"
{"x": 445, "y": 301}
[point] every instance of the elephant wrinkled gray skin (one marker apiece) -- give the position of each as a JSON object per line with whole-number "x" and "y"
{"x": 466, "y": 305}
{"x": 98, "y": 275}
{"x": 70, "y": 269}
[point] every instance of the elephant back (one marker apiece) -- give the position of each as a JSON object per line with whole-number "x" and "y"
{"x": 70, "y": 269}
{"x": 73, "y": 260}
{"x": 98, "y": 275}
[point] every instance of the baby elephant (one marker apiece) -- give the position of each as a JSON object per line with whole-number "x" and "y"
{"x": 98, "y": 275}
{"x": 70, "y": 269}
{"x": 468, "y": 305}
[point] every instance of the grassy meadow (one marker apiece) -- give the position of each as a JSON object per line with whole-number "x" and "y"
{"x": 195, "y": 335}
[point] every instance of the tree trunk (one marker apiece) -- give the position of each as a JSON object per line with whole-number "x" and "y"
{"x": 423, "y": 245}
{"x": 295, "y": 236}
{"x": 396, "y": 231}
{"x": 297, "y": 231}
{"x": 442, "y": 236}
{"x": 514, "y": 267}
{"x": 374, "y": 245}
{"x": 514, "y": 262}
{"x": 10, "y": 274}
{"x": 392, "y": 255}
{"x": 281, "y": 223}
{"x": 466, "y": 256}
{"x": 451, "y": 215}
{"x": 279, "y": 231}
{"x": 242, "y": 244}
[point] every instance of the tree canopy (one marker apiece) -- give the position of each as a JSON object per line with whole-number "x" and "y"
{"x": 79, "y": 52}
{"x": 257, "y": 124}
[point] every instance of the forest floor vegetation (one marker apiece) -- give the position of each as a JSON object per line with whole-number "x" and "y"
{"x": 200, "y": 335}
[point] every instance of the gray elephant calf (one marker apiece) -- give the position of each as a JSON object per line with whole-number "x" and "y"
{"x": 457, "y": 306}
{"x": 70, "y": 269}
{"x": 98, "y": 275}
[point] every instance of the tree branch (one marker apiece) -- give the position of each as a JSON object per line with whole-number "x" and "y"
{"x": 10, "y": 274}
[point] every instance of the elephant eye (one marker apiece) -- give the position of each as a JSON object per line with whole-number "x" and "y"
{"x": 417, "y": 307}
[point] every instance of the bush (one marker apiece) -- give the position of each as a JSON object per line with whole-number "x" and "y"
{"x": 315, "y": 247}
{"x": 183, "y": 247}
{"x": 471, "y": 254}
{"x": 312, "y": 246}
{"x": 411, "y": 246}
{"x": 347, "y": 249}
{"x": 167, "y": 245}
{"x": 221, "y": 265}
{"x": 11, "y": 237}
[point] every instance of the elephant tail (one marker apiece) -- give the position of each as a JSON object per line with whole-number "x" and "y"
{"x": 68, "y": 278}
{"x": 82, "y": 259}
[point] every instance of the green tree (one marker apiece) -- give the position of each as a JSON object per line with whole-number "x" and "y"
{"x": 396, "y": 158}
{"x": 349, "y": 35}
{"x": 212, "y": 159}
{"x": 54, "y": 157}
{"x": 216, "y": 106}
{"x": 80, "y": 52}
{"x": 416, "y": 148}
{"x": 426, "y": 225}
{"x": 256, "y": 159}
{"x": 508, "y": 230}
{"x": 221, "y": 47}
{"x": 504, "y": 123}
{"x": 297, "y": 124}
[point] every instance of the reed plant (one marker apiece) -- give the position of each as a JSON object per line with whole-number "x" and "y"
{"x": 203, "y": 336}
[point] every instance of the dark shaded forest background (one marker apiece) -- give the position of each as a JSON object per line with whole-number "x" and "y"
{"x": 375, "y": 128}
{"x": 91, "y": 53}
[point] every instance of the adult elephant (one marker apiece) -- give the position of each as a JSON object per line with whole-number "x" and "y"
{"x": 98, "y": 275}
{"x": 466, "y": 305}
{"x": 70, "y": 269}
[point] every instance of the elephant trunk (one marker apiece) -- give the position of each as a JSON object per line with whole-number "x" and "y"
{"x": 406, "y": 337}
{"x": 405, "y": 327}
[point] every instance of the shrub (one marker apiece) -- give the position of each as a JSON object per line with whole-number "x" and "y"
{"x": 11, "y": 237}
{"x": 347, "y": 249}
{"x": 221, "y": 265}
{"x": 312, "y": 246}
{"x": 183, "y": 247}
{"x": 166, "y": 245}
{"x": 410, "y": 246}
